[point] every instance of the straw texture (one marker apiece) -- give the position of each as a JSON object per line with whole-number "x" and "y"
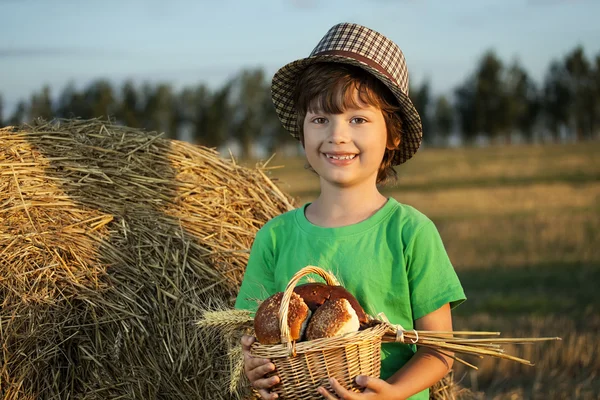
{"x": 112, "y": 243}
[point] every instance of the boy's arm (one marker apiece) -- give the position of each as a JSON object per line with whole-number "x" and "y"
{"x": 427, "y": 366}
{"x": 422, "y": 371}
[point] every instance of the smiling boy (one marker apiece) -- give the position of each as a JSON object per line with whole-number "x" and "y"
{"x": 348, "y": 105}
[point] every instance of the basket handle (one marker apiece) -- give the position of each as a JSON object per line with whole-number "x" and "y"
{"x": 287, "y": 296}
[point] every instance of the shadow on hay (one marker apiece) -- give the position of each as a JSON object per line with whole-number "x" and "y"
{"x": 128, "y": 331}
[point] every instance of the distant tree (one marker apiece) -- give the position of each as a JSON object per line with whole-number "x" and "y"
{"x": 556, "y": 99}
{"x": 212, "y": 115}
{"x": 581, "y": 89}
{"x": 1, "y": 111}
{"x": 443, "y": 117}
{"x": 218, "y": 116}
{"x": 465, "y": 104}
{"x": 421, "y": 98}
{"x": 41, "y": 105}
{"x": 522, "y": 102}
{"x": 18, "y": 117}
{"x": 272, "y": 128}
{"x": 596, "y": 95}
{"x": 490, "y": 100}
{"x": 249, "y": 90}
{"x": 186, "y": 105}
{"x": 201, "y": 99}
{"x": 73, "y": 104}
{"x": 99, "y": 95}
{"x": 159, "y": 111}
{"x": 128, "y": 109}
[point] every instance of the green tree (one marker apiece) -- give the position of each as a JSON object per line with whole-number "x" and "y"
{"x": 556, "y": 99}
{"x": 159, "y": 110}
{"x": 443, "y": 117}
{"x": 596, "y": 95}
{"x": 73, "y": 104}
{"x": 1, "y": 111}
{"x": 128, "y": 111}
{"x": 522, "y": 102}
{"x": 465, "y": 104}
{"x": 201, "y": 98}
{"x": 490, "y": 100}
{"x": 41, "y": 105}
{"x": 421, "y": 98}
{"x": 272, "y": 128}
{"x": 100, "y": 98}
{"x": 19, "y": 115}
{"x": 249, "y": 92}
{"x": 581, "y": 110}
{"x": 213, "y": 114}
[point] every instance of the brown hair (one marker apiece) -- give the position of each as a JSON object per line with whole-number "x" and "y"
{"x": 329, "y": 87}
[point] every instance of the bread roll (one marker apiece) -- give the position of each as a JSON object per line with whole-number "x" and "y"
{"x": 315, "y": 294}
{"x": 266, "y": 319}
{"x": 335, "y": 317}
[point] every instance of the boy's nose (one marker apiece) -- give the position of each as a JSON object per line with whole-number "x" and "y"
{"x": 339, "y": 133}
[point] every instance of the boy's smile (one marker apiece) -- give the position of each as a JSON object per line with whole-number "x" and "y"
{"x": 340, "y": 158}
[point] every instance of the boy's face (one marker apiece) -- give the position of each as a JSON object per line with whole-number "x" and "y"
{"x": 345, "y": 149}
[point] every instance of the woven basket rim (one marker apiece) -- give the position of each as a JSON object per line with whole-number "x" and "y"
{"x": 282, "y": 350}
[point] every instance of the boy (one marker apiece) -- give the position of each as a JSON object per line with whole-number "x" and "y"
{"x": 348, "y": 105}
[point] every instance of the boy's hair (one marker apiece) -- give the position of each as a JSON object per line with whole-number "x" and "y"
{"x": 329, "y": 87}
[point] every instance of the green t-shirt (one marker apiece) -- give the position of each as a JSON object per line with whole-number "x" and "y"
{"x": 393, "y": 262}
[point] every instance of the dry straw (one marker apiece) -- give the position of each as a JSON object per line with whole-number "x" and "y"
{"x": 112, "y": 242}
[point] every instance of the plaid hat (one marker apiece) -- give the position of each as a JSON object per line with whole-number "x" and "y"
{"x": 360, "y": 46}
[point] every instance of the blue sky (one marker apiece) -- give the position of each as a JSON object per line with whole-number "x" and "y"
{"x": 185, "y": 42}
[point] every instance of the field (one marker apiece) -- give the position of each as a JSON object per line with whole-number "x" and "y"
{"x": 522, "y": 227}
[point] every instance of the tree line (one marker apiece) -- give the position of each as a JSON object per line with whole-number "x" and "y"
{"x": 497, "y": 102}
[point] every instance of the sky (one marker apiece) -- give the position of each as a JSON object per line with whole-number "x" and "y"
{"x": 187, "y": 42}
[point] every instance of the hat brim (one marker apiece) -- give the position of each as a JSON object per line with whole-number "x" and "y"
{"x": 284, "y": 83}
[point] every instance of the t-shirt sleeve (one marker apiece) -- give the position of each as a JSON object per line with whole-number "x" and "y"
{"x": 258, "y": 282}
{"x": 432, "y": 279}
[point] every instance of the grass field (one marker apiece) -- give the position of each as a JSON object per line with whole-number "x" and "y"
{"x": 522, "y": 227}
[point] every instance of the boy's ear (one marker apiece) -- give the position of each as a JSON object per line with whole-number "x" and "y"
{"x": 393, "y": 141}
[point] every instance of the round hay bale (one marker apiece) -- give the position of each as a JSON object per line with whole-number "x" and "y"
{"x": 112, "y": 243}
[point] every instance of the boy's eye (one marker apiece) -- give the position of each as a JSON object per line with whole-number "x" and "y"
{"x": 358, "y": 120}
{"x": 319, "y": 120}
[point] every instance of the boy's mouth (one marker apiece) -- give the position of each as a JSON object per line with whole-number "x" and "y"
{"x": 340, "y": 156}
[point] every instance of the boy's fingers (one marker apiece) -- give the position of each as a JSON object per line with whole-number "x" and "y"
{"x": 265, "y": 383}
{"x": 260, "y": 371}
{"x": 267, "y": 395}
{"x": 341, "y": 391}
{"x": 325, "y": 393}
{"x": 264, "y": 369}
{"x": 254, "y": 362}
{"x": 247, "y": 342}
{"x": 374, "y": 384}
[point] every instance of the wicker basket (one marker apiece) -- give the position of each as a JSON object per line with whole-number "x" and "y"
{"x": 304, "y": 366}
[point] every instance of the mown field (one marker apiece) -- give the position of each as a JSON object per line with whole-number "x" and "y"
{"x": 522, "y": 227}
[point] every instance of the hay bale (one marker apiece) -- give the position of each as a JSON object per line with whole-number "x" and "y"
{"x": 112, "y": 242}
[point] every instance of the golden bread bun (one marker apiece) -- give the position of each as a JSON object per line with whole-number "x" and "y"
{"x": 335, "y": 317}
{"x": 315, "y": 294}
{"x": 266, "y": 319}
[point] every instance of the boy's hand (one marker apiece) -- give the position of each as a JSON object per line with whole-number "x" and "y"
{"x": 375, "y": 389}
{"x": 256, "y": 369}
